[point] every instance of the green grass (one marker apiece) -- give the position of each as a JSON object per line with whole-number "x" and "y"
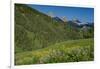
{"x": 67, "y": 51}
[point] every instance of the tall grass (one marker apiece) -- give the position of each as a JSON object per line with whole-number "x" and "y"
{"x": 68, "y": 51}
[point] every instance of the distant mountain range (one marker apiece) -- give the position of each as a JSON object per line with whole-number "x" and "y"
{"x": 76, "y": 22}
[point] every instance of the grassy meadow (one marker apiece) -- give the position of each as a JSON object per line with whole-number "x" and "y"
{"x": 68, "y": 51}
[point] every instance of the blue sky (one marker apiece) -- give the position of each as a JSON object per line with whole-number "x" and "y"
{"x": 83, "y": 14}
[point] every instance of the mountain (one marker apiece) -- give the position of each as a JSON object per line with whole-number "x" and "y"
{"x": 35, "y": 30}
{"x": 80, "y": 24}
{"x": 86, "y": 24}
{"x": 58, "y": 19}
{"x": 75, "y": 23}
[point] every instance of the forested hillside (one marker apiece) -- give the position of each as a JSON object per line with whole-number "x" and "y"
{"x": 34, "y": 30}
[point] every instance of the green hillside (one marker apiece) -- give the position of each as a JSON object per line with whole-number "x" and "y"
{"x": 41, "y": 39}
{"x": 68, "y": 51}
{"x": 35, "y": 30}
